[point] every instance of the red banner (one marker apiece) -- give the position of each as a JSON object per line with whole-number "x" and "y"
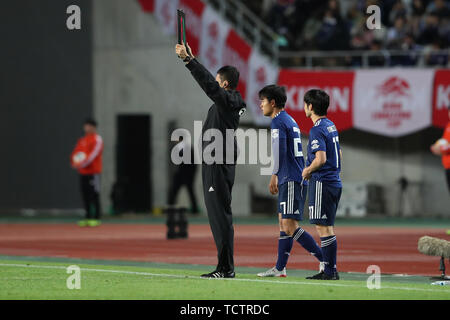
{"x": 441, "y": 98}
{"x": 237, "y": 53}
{"x": 338, "y": 85}
{"x": 147, "y": 5}
{"x": 194, "y": 13}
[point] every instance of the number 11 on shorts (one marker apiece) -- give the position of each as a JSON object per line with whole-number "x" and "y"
{"x": 283, "y": 205}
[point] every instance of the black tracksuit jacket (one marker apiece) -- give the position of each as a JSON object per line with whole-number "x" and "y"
{"x": 218, "y": 177}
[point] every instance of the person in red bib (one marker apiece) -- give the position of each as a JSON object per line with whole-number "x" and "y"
{"x": 87, "y": 159}
{"x": 442, "y": 148}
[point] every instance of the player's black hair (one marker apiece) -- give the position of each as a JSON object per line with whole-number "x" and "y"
{"x": 319, "y": 99}
{"x": 91, "y": 121}
{"x": 230, "y": 74}
{"x": 274, "y": 92}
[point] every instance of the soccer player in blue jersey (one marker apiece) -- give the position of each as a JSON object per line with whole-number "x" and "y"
{"x": 286, "y": 179}
{"x": 322, "y": 172}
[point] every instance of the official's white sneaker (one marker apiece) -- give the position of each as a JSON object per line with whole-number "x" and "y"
{"x": 322, "y": 267}
{"x": 273, "y": 272}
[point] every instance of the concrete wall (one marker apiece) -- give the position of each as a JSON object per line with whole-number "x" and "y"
{"x": 136, "y": 70}
{"x": 46, "y": 94}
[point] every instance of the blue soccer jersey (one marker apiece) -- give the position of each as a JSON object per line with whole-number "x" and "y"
{"x": 324, "y": 137}
{"x": 287, "y": 148}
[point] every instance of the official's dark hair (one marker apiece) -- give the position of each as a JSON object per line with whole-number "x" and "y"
{"x": 319, "y": 99}
{"x": 91, "y": 121}
{"x": 230, "y": 74}
{"x": 274, "y": 92}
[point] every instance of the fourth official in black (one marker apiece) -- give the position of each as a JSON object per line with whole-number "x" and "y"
{"x": 218, "y": 177}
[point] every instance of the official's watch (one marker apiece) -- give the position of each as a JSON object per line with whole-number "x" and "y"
{"x": 187, "y": 59}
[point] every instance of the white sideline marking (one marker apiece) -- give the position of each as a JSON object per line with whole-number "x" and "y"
{"x": 315, "y": 282}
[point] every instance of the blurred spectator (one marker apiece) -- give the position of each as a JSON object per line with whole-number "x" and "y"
{"x": 417, "y": 8}
{"x": 439, "y": 8}
{"x": 306, "y": 40}
{"x": 409, "y": 44}
{"x": 325, "y": 29}
{"x": 398, "y": 10}
{"x": 282, "y": 19}
{"x": 333, "y": 33}
{"x": 434, "y": 56}
{"x": 444, "y": 32}
{"x": 396, "y": 34}
{"x": 428, "y": 31}
{"x": 307, "y": 15}
{"x": 377, "y": 59}
{"x": 184, "y": 176}
{"x": 86, "y": 158}
{"x": 355, "y": 19}
{"x": 442, "y": 148}
{"x": 341, "y": 25}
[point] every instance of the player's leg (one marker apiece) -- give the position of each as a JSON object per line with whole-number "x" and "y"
{"x": 291, "y": 199}
{"x": 328, "y": 243}
{"x": 285, "y": 242}
{"x": 322, "y": 210}
{"x": 84, "y": 186}
{"x": 293, "y": 214}
{"x": 447, "y": 174}
{"x": 94, "y": 200}
{"x": 96, "y": 196}
{"x": 217, "y": 185}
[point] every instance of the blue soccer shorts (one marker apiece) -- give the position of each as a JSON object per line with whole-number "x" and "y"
{"x": 323, "y": 201}
{"x": 291, "y": 200}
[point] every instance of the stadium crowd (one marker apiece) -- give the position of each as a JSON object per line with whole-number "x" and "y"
{"x": 412, "y": 26}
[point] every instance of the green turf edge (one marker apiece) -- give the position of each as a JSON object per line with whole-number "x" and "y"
{"x": 297, "y": 273}
{"x": 103, "y": 285}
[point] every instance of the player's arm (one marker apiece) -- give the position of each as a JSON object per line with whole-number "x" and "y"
{"x": 203, "y": 77}
{"x": 75, "y": 150}
{"x": 279, "y": 152}
{"x": 318, "y": 146}
{"x": 316, "y": 164}
{"x": 445, "y": 150}
{"x": 435, "y": 148}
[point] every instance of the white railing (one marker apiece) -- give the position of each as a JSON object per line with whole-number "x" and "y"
{"x": 359, "y": 58}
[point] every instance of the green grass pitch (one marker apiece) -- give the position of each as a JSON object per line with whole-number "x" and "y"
{"x": 45, "y": 279}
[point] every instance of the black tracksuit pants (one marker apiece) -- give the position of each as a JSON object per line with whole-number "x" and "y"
{"x": 447, "y": 174}
{"x": 218, "y": 180}
{"x": 90, "y": 191}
